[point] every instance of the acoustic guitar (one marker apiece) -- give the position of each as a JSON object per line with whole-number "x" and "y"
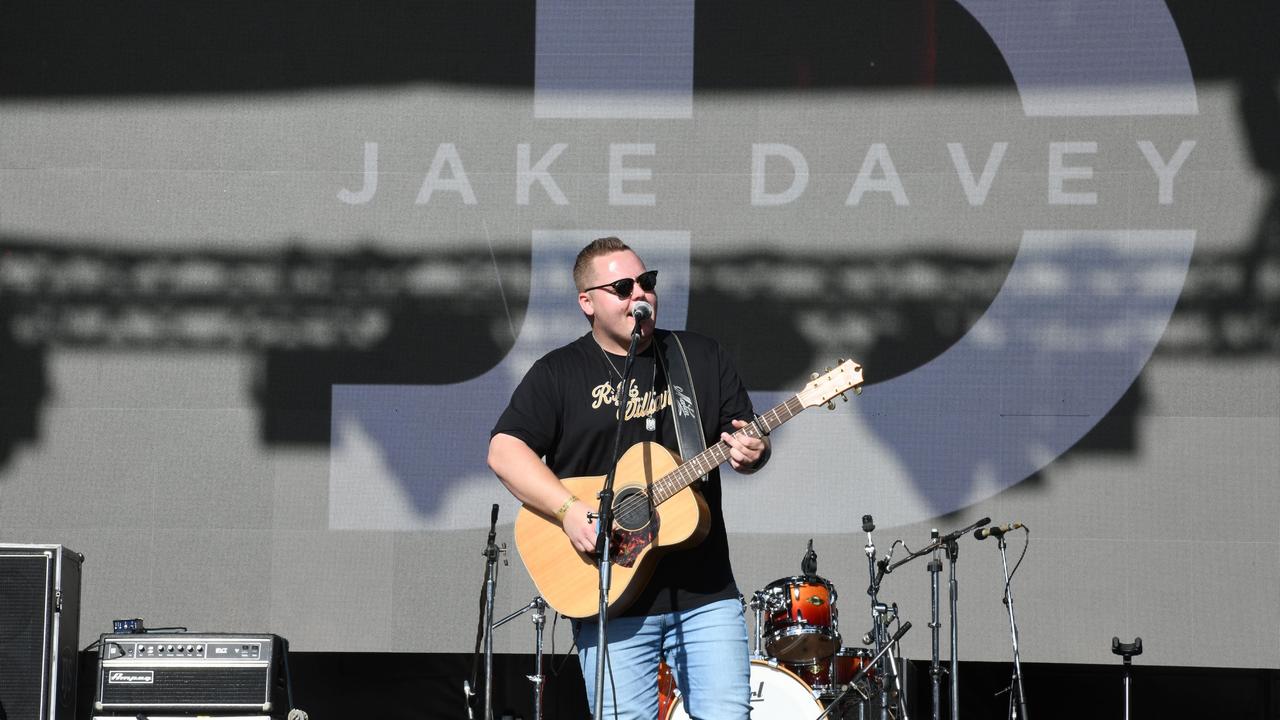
{"x": 655, "y": 509}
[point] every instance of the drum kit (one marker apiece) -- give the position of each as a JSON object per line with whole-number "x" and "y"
{"x": 799, "y": 667}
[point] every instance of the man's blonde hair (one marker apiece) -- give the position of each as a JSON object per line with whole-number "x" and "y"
{"x": 593, "y": 250}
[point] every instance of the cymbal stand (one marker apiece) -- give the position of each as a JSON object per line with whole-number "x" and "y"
{"x": 1016, "y": 686}
{"x": 538, "y": 678}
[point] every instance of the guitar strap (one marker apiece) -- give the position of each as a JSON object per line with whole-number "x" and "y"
{"x": 684, "y": 398}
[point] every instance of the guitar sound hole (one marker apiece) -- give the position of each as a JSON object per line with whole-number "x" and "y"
{"x": 631, "y": 509}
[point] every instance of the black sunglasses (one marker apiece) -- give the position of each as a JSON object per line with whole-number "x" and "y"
{"x": 623, "y": 287}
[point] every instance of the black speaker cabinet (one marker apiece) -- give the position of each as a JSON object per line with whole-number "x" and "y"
{"x": 39, "y": 631}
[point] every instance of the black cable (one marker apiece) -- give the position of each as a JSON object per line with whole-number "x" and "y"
{"x": 475, "y": 656}
{"x": 288, "y": 676}
{"x": 568, "y": 653}
{"x": 1026, "y": 535}
{"x": 608, "y": 664}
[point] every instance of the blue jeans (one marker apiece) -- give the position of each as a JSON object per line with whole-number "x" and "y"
{"x": 706, "y": 648}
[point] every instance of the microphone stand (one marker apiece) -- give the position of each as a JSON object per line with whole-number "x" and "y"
{"x": 485, "y": 631}
{"x": 604, "y": 533}
{"x": 1013, "y": 632}
{"x": 853, "y": 682}
{"x": 539, "y": 608}
{"x": 949, "y": 544}
{"x": 1127, "y": 651}
{"x": 877, "y": 618}
{"x": 953, "y": 552}
{"x": 935, "y": 627}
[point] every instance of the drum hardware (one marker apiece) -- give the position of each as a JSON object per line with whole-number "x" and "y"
{"x": 758, "y": 603}
{"x": 866, "y": 670}
{"x": 829, "y": 677}
{"x": 1127, "y": 651}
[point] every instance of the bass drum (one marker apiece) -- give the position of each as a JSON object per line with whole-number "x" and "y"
{"x": 776, "y": 694}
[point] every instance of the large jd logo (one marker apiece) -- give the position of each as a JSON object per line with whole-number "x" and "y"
{"x": 1054, "y": 351}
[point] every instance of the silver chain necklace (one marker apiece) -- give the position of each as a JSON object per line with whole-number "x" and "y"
{"x": 650, "y": 422}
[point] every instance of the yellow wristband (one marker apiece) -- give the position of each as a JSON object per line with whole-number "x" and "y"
{"x": 565, "y": 507}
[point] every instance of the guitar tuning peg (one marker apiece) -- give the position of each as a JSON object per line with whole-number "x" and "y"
{"x": 857, "y": 390}
{"x": 844, "y": 397}
{"x": 813, "y": 376}
{"x": 831, "y": 404}
{"x": 839, "y": 361}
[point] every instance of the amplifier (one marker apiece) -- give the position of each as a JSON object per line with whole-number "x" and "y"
{"x": 193, "y": 673}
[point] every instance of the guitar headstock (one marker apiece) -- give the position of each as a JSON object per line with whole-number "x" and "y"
{"x": 823, "y": 389}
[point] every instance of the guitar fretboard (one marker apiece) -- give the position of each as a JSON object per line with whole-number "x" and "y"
{"x": 709, "y": 459}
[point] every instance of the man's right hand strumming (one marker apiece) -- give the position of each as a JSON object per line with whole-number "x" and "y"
{"x": 580, "y": 529}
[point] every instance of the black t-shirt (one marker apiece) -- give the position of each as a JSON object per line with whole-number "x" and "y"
{"x": 565, "y": 410}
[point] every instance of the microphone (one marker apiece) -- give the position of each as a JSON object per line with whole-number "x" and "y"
{"x": 997, "y": 531}
{"x": 809, "y": 565}
{"x": 493, "y": 525}
{"x": 641, "y": 311}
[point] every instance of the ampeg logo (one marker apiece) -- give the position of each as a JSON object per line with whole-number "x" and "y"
{"x": 131, "y": 677}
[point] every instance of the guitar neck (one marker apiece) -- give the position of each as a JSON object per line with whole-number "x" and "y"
{"x": 711, "y": 458}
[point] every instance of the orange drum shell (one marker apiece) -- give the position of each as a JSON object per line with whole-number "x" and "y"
{"x": 806, "y": 603}
{"x": 800, "y": 620}
{"x": 817, "y": 673}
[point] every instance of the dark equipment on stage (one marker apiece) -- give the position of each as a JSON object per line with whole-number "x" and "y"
{"x": 192, "y": 673}
{"x": 39, "y": 631}
{"x": 809, "y": 564}
{"x": 128, "y": 627}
